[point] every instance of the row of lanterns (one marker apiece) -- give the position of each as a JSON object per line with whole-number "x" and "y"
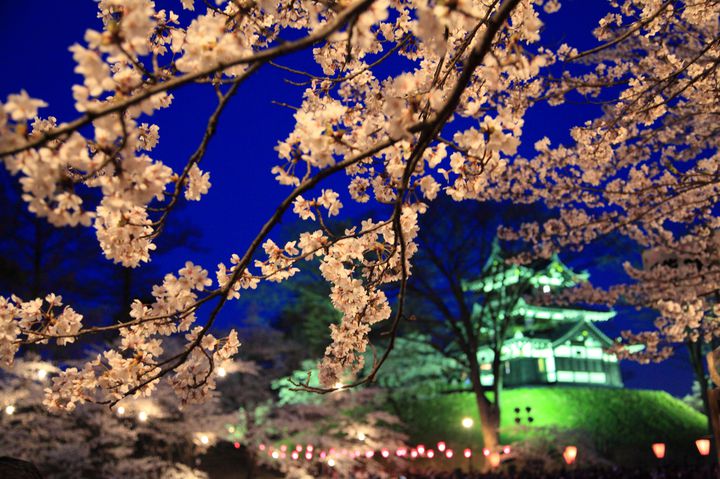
{"x": 569, "y": 453}
{"x": 658, "y": 448}
{"x": 703, "y": 447}
{"x": 420, "y": 451}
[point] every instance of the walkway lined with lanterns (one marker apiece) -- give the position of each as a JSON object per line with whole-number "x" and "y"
{"x": 440, "y": 452}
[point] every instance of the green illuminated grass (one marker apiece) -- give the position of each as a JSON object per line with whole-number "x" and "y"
{"x": 619, "y": 422}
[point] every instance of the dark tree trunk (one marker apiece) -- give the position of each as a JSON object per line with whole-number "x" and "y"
{"x": 251, "y": 465}
{"x": 696, "y": 359}
{"x": 488, "y": 411}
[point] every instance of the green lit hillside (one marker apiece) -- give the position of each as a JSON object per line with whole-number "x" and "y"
{"x": 620, "y": 423}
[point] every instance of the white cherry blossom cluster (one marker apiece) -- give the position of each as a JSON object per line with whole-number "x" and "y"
{"x": 356, "y": 268}
{"x": 194, "y": 380}
{"x": 245, "y": 280}
{"x": 140, "y": 360}
{"x": 35, "y": 321}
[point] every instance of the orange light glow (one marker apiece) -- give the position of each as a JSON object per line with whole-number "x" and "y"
{"x": 569, "y": 454}
{"x": 703, "y": 446}
{"x": 659, "y": 450}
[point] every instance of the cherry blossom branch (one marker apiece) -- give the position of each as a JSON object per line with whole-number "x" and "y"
{"x": 624, "y": 36}
{"x": 265, "y": 55}
{"x": 348, "y": 77}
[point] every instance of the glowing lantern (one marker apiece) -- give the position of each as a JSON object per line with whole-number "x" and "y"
{"x": 10, "y": 410}
{"x": 449, "y": 453}
{"x": 283, "y": 448}
{"x": 486, "y": 452}
{"x": 441, "y": 446}
{"x": 569, "y": 454}
{"x": 361, "y": 436}
{"x": 42, "y": 374}
{"x": 221, "y": 372}
{"x": 369, "y": 454}
{"x": 261, "y": 447}
{"x": 430, "y": 454}
{"x": 322, "y": 454}
{"x": 506, "y": 450}
{"x": 308, "y": 455}
{"x": 142, "y": 416}
{"x": 385, "y": 453}
{"x": 331, "y": 463}
{"x": 204, "y": 439}
{"x": 310, "y": 447}
{"x": 421, "y": 449}
{"x": 659, "y": 450}
{"x": 467, "y": 422}
{"x": 295, "y": 455}
{"x": 413, "y": 454}
{"x": 120, "y": 410}
{"x": 494, "y": 459}
{"x": 275, "y": 454}
{"x": 703, "y": 446}
{"x": 237, "y": 445}
{"x": 467, "y": 453}
{"x": 298, "y": 447}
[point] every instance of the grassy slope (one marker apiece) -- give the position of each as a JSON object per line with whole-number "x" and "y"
{"x": 620, "y": 422}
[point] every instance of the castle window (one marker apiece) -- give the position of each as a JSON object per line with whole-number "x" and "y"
{"x": 595, "y": 353}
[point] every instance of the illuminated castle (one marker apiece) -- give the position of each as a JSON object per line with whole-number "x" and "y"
{"x": 544, "y": 344}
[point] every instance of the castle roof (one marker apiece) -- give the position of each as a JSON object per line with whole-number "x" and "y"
{"x": 548, "y": 274}
{"x": 561, "y": 333}
{"x": 557, "y": 313}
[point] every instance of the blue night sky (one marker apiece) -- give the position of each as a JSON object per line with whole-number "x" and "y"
{"x": 34, "y": 40}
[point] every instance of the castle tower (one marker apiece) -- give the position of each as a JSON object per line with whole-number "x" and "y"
{"x": 544, "y": 344}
